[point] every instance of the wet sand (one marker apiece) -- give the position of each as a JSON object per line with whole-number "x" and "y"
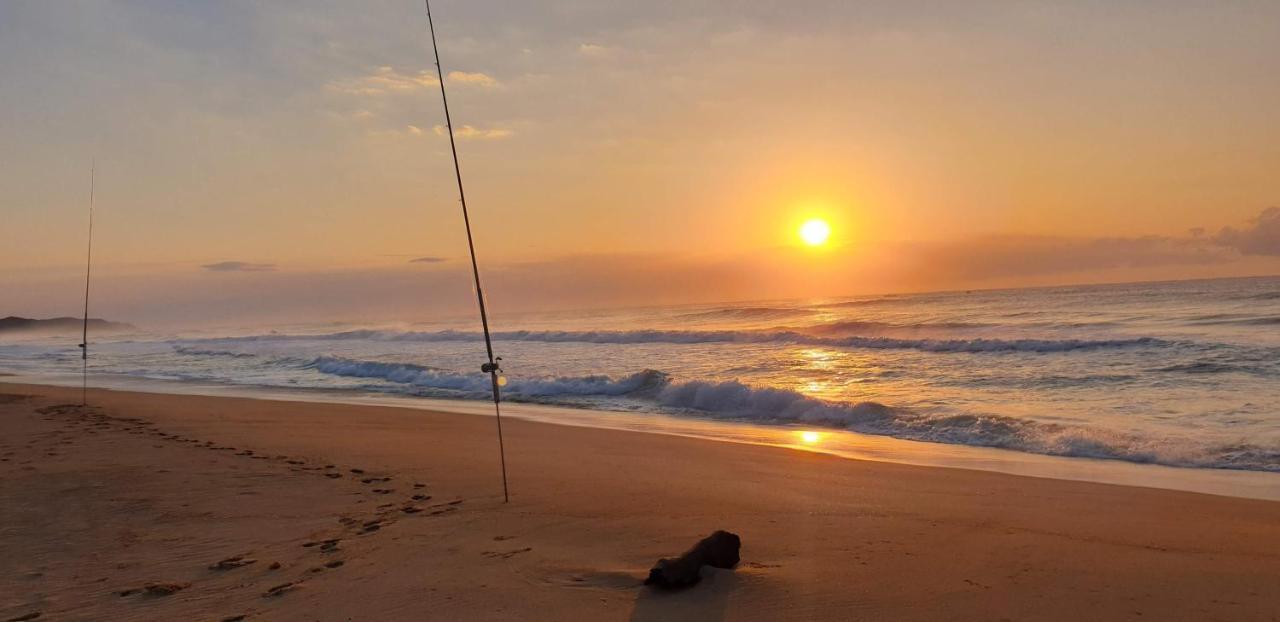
{"x": 165, "y": 507}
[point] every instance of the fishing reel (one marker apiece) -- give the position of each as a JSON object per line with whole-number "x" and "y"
{"x": 496, "y": 369}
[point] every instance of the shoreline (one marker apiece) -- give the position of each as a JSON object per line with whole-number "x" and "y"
{"x": 175, "y": 491}
{"x": 842, "y": 443}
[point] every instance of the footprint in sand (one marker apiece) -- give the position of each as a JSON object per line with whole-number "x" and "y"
{"x": 282, "y": 589}
{"x": 232, "y": 562}
{"x": 506, "y": 554}
{"x": 324, "y": 545}
{"x": 157, "y": 589}
{"x": 337, "y": 563}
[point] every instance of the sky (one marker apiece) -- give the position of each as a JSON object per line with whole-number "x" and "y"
{"x": 286, "y": 161}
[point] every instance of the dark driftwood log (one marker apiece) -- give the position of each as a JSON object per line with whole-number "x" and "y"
{"x": 718, "y": 550}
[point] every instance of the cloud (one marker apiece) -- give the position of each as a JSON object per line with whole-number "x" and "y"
{"x": 388, "y": 80}
{"x": 1261, "y": 237}
{"x": 239, "y": 266}
{"x": 472, "y": 78}
{"x": 1025, "y": 256}
{"x": 467, "y": 132}
{"x": 1012, "y": 256}
{"x": 383, "y": 81}
{"x": 595, "y": 50}
{"x": 428, "y": 260}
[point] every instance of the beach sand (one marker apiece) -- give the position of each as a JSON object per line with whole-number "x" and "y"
{"x": 152, "y": 490}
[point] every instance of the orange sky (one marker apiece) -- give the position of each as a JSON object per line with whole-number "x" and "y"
{"x": 994, "y": 144}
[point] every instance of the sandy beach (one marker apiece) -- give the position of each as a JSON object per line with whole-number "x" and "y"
{"x": 164, "y": 507}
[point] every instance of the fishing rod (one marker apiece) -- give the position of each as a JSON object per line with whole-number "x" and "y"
{"x": 84, "y": 335}
{"x": 492, "y": 368}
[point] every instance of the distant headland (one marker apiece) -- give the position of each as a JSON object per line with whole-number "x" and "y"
{"x": 15, "y": 324}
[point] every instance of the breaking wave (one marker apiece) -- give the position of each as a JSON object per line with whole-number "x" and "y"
{"x": 1234, "y": 319}
{"x": 784, "y": 337}
{"x": 203, "y": 352}
{"x": 862, "y": 328}
{"x": 746, "y": 313}
{"x": 736, "y": 401}
{"x": 466, "y": 384}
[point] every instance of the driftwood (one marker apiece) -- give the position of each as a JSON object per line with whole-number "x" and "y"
{"x": 718, "y": 550}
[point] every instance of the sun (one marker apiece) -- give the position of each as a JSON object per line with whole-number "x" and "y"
{"x": 815, "y": 232}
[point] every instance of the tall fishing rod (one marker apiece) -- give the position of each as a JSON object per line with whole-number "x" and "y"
{"x": 492, "y": 368}
{"x": 88, "y": 265}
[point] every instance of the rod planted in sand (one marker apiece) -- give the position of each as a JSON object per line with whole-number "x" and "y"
{"x": 491, "y": 367}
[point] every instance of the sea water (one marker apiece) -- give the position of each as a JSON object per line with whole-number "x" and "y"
{"x": 1183, "y": 374}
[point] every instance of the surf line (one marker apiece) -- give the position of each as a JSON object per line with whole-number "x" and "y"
{"x": 84, "y": 328}
{"x": 492, "y": 367}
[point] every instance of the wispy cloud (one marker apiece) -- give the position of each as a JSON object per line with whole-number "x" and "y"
{"x": 388, "y": 80}
{"x": 468, "y": 132}
{"x": 472, "y": 78}
{"x": 428, "y": 260}
{"x": 595, "y": 50}
{"x": 384, "y": 81}
{"x": 239, "y": 266}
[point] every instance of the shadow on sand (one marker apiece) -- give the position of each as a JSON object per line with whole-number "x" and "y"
{"x": 708, "y": 600}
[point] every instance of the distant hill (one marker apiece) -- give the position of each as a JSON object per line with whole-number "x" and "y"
{"x": 15, "y": 324}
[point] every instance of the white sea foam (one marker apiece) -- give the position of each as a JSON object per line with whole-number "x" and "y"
{"x": 733, "y": 400}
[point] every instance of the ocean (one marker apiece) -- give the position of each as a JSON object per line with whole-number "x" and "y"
{"x": 1182, "y": 374}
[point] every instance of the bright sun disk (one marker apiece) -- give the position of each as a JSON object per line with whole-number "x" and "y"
{"x": 815, "y": 231}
